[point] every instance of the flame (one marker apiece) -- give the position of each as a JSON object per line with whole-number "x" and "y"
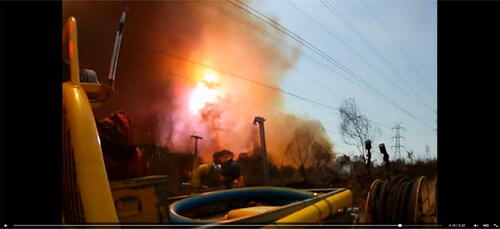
{"x": 205, "y": 92}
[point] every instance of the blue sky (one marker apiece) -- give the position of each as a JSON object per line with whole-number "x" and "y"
{"x": 401, "y": 63}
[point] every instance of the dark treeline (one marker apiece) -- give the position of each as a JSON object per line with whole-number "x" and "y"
{"x": 342, "y": 172}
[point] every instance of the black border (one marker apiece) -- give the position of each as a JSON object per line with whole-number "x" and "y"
{"x": 468, "y": 112}
{"x": 31, "y": 112}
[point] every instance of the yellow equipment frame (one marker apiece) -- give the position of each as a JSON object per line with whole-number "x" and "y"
{"x": 86, "y": 191}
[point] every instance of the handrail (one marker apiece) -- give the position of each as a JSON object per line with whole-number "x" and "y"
{"x": 70, "y": 30}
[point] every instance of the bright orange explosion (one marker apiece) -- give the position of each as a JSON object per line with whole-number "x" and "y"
{"x": 204, "y": 93}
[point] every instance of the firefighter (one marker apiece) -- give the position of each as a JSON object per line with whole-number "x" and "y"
{"x": 230, "y": 170}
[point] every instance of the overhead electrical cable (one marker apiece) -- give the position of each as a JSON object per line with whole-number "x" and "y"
{"x": 328, "y": 58}
{"x": 400, "y": 49}
{"x": 317, "y": 23}
{"x": 373, "y": 49}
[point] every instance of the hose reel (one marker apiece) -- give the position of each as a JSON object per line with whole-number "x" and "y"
{"x": 400, "y": 199}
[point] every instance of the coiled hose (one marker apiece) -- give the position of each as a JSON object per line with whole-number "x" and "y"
{"x": 394, "y": 201}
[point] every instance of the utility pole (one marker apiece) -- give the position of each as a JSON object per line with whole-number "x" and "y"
{"x": 265, "y": 165}
{"x": 398, "y": 146}
{"x": 195, "y": 161}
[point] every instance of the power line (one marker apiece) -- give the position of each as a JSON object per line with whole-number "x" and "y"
{"x": 334, "y": 61}
{"x": 311, "y": 47}
{"x": 319, "y": 83}
{"x": 372, "y": 48}
{"x": 317, "y": 23}
{"x": 311, "y": 18}
{"x": 326, "y": 108}
{"x": 286, "y": 44}
{"x": 170, "y": 55}
{"x": 239, "y": 19}
{"x": 195, "y": 82}
{"x": 400, "y": 49}
{"x": 212, "y": 68}
{"x": 321, "y": 105}
{"x": 281, "y": 42}
{"x": 188, "y": 79}
{"x": 244, "y": 79}
{"x": 328, "y": 58}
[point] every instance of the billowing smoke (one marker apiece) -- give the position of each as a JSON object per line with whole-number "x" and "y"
{"x": 190, "y": 68}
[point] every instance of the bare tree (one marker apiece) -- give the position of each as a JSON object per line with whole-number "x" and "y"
{"x": 299, "y": 149}
{"x": 309, "y": 147}
{"x": 323, "y": 157}
{"x": 355, "y": 128}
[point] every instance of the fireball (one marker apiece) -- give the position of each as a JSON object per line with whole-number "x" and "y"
{"x": 205, "y": 92}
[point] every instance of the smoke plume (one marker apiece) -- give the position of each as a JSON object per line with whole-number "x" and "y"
{"x": 190, "y": 68}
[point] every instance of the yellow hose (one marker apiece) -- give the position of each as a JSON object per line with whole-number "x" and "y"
{"x": 320, "y": 210}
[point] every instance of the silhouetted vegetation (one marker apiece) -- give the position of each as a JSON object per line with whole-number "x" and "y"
{"x": 355, "y": 128}
{"x": 339, "y": 172}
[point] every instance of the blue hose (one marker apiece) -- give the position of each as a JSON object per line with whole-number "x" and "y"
{"x": 273, "y": 195}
